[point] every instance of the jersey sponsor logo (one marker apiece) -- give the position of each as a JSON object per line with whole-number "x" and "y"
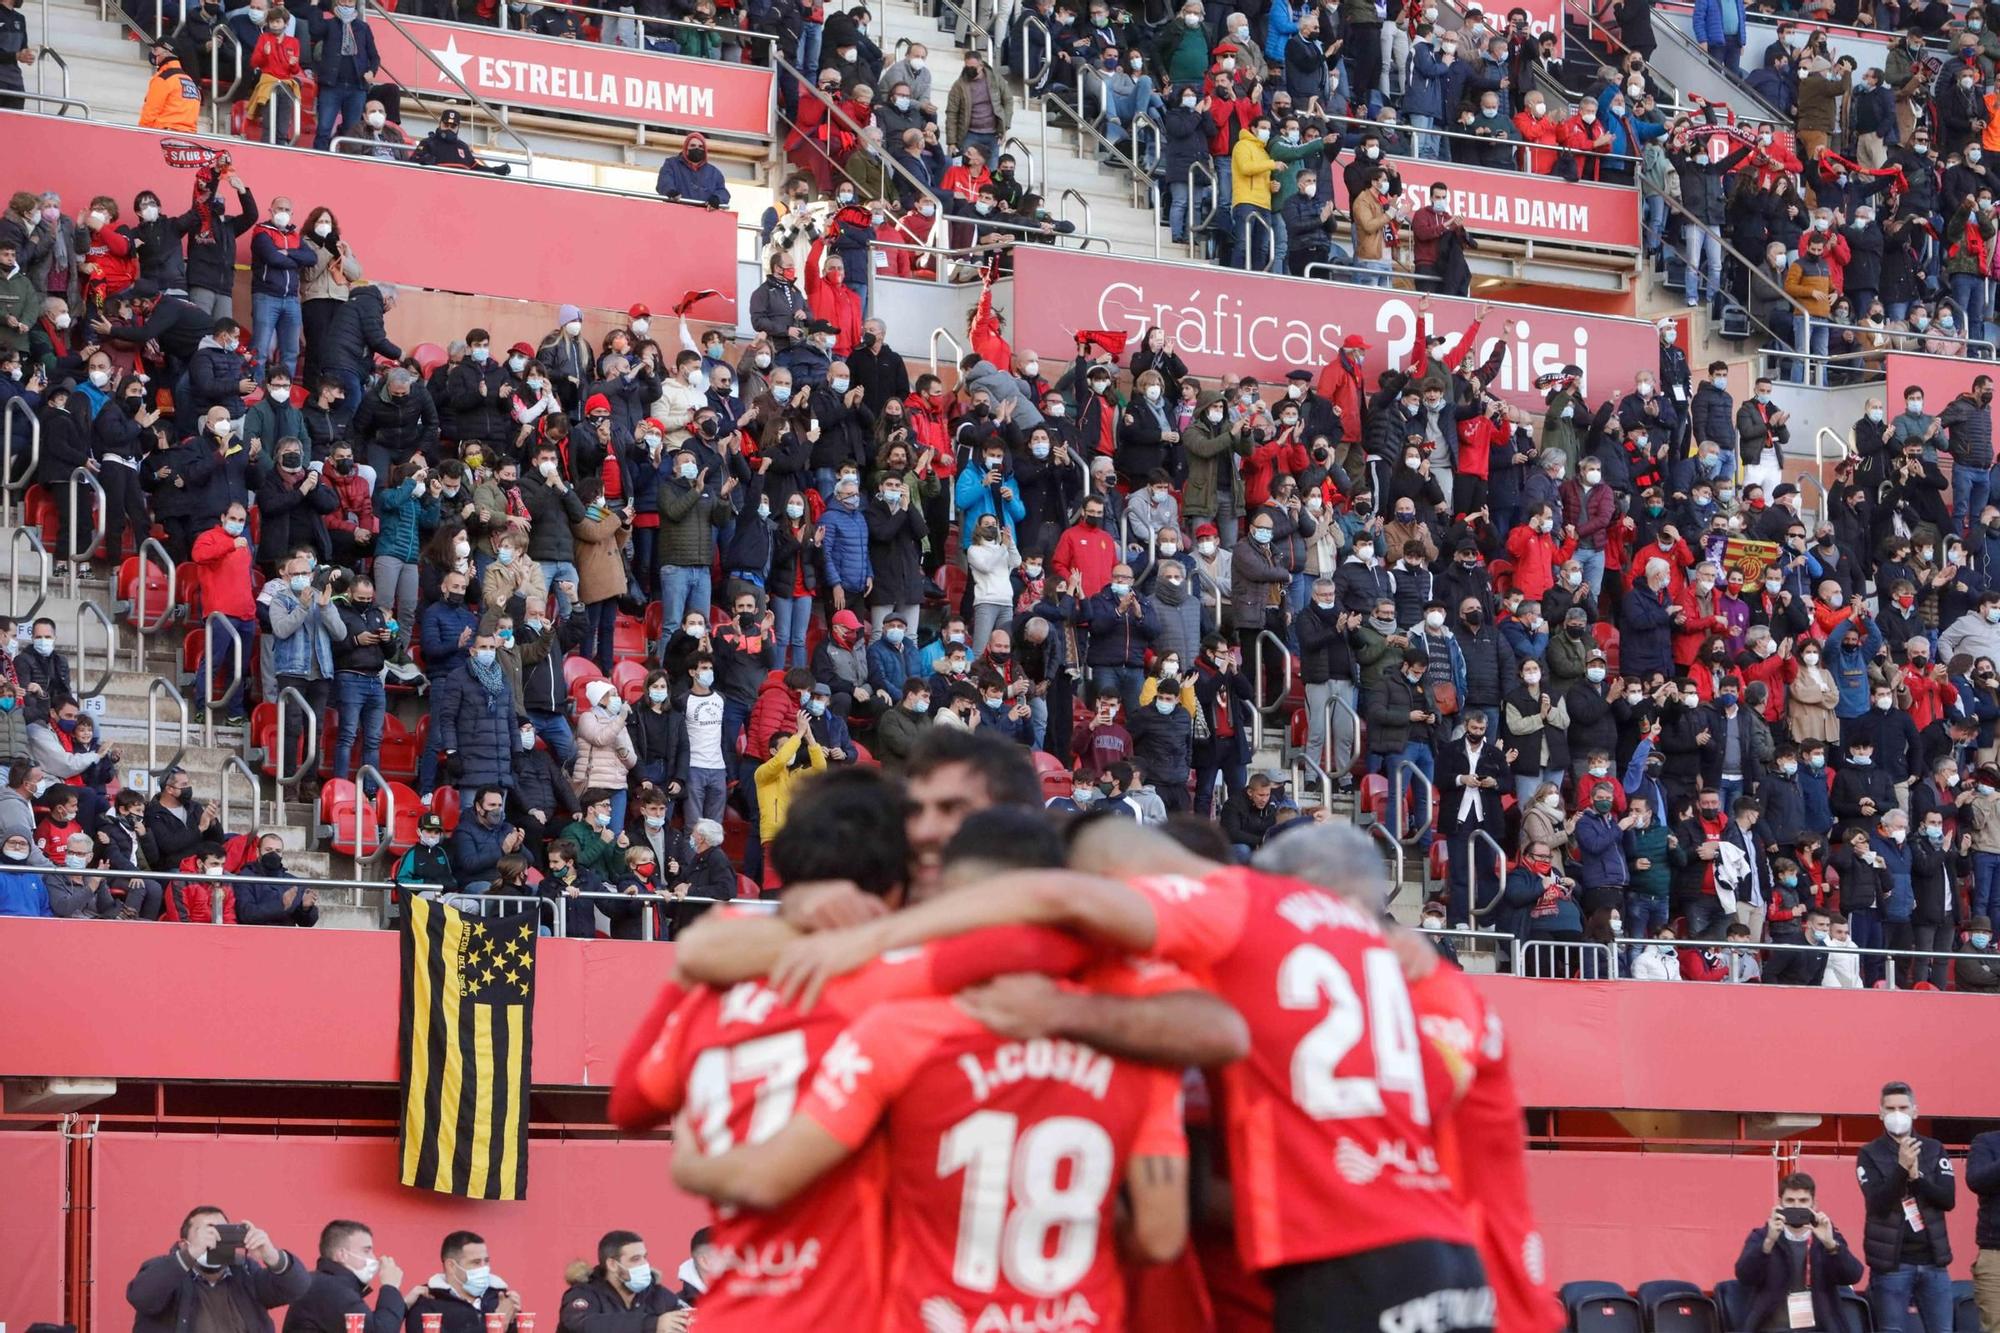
{"x": 775, "y": 1269}
{"x": 1414, "y": 1170}
{"x": 1054, "y": 1061}
{"x": 841, "y": 1070}
{"x": 1440, "y": 1312}
{"x": 1309, "y": 910}
{"x": 1059, "y": 1314}
{"x": 580, "y": 1303}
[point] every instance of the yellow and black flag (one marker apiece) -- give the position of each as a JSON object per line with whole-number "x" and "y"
{"x": 468, "y": 1025}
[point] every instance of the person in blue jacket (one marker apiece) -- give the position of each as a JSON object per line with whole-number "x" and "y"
{"x": 1719, "y": 26}
{"x": 843, "y": 545}
{"x": 1848, "y": 653}
{"x": 893, "y": 658}
{"x": 986, "y": 486}
{"x": 22, "y": 892}
{"x": 690, "y": 178}
{"x": 347, "y": 59}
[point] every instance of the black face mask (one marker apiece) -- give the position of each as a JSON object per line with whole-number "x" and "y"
{"x": 132, "y": 406}
{"x": 454, "y": 599}
{"x": 1473, "y": 617}
{"x": 747, "y": 619}
{"x": 343, "y": 466}
{"x": 290, "y": 461}
{"x": 271, "y": 862}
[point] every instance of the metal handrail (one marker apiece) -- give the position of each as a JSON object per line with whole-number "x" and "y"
{"x": 539, "y": 903}
{"x": 1071, "y": 192}
{"x": 311, "y": 756}
{"x": 1887, "y": 955}
{"x": 1751, "y": 269}
{"x": 88, "y": 608}
{"x": 44, "y": 54}
{"x": 202, "y": 876}
{"x": 100, "y": 517}
{"x": 235, "y": 763}
{"x": 498, "y": 116}
{"x": 945, "y": 334}
{"x": 1487, "y": 141}
{"x": 52, "y": 101}
{"x": 361, "y": 856}
{"x": 1012, "y": 143}
{"x": 216, "y": 101}
{"x": 1328, "y": 758}
{"x": 1251, "y": 221}
{"x": 173, "y": 691}
{"x": 1526, "y": 950}
{"x": 1396, "y": 806}
{"x": 1823, "y": 434}
{"x": 1196, "y": 224}
{"x": 1395, "y": 850}
{"x": 208, "y": 699}
{"x": 487, "y": 153}
{"x": 1499, "y": 939}
{"x": 1257, "y": 714}
{"x": 1477, "y": 836}
{"x": 808, "y": 87}
{"x": 14, "y": 573}
{"x": 974, "y": 27}
{"x": 7, "y": 451}
{"x": 1812, "y": 479}
{"x": 167, "y": 613}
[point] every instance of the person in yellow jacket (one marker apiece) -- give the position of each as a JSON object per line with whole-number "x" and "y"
{"x": 173, "y": 98}
{"x": 1253, "y": 176}
{"x": 779, "y": 776}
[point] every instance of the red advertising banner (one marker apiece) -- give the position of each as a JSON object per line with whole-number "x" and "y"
{"x": 1523, "y": 205}
{"x": 587, "y": 78}
{"x": 425, "y": 227}
{"x": 1231, "y": 323}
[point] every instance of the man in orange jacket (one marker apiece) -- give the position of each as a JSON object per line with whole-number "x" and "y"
{"x": 173, "y": 99}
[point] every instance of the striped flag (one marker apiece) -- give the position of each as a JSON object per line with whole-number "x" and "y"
{"x": 467, "y": 1026}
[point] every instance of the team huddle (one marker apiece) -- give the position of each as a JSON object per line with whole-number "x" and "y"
{"x": 958, "y": 1105}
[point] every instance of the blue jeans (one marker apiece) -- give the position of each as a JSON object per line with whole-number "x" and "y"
{"x": 1178, "y": 218}
{"x": 682, "y": 589}
{"x": 1225, "y": 188}
{"x": 558, "y": 572}
{"x": 1254, "y": 240}
{"x": 1865, "y": 928}
{"x": 359, "y": 701}
{"x": 1808, "y": 338}
{"x": 1889, "y": 1296}
{"x": 791, "y": 616}
{"x": 346, "y": 103}
{"x": 1644, "y": 914}
{"x": 1377, "y": 274}
{"x": 225, "y": 690}
{"x": 1986, "y": 884}
{"x": 1593, "y": 568}
{"x": 1703, "y": 913}
{"x": 1702, "y": 250}
{"x": 1429, "y": 147}
{"x": 989, "y": 142}
{"x": 809, "y": 36}
{"x": 1968, "y": 497}
{"x": 553, "y": 729}
{"x": 1653, "y": 209}
{"x": 1969, "y": 291}
{"x": 1730, "y": 52}
{"x": 350, "y": 396}
{"x": 1417, "y": 803}
{"x": 1123, "y": 681}
{"x": 601, "y": 632}
{"x": 707, "y": 789}
{"x": 278, "y": 322}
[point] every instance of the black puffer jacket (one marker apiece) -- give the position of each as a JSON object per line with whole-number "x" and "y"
{"x": 357, "y": 332}
{"x": 478, "y": 416}
{"x": 404, "y": 426}
{"x": 1884, "y": 1186}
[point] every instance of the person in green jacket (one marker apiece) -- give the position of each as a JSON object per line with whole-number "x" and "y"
{"x": 1646, "y": 868}
{"x": 1378, "y": 647}
{"x": 1183, "y": 48}
{"x": 1295, "y": 155}
{"x": 600, "y": 847}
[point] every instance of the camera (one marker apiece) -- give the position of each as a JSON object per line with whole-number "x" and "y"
{"x": 1797, "y": 1217}
{"x": 228, "y": 1247}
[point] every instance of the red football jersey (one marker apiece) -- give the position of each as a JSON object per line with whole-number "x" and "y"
{"x": 1004, "y": 1163}
{"x": 1328, "y": 1122}
{"x": 1483, "y": 1147}
{"x": 738, "y": 1059}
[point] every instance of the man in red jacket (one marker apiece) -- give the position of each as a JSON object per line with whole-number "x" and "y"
{"x": 1086, "y": 552}
{"x": 1341, "y": 384}
{"x": 228, "y": 584}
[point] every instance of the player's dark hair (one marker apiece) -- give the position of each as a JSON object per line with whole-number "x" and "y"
{"x": 846, "y": 824}
{"x": 1007, "y": 837}
{"x": 614, "y": 1241}
{"x": 456, "y": 1241}
{"x": 1001, "y": 764}
{"x": 1798, "y": 1180}
{"x": 337, "y": 1233}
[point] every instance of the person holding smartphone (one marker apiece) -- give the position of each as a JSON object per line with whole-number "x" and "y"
{"x": 1793, "y": 1266}
{"x": 220, "y": 1277}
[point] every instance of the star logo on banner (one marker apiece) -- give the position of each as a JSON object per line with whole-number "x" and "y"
{"x": 501, "y": 976}
{"x": 452, "y": 58}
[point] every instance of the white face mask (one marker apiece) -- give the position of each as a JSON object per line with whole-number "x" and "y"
{"x": 150, "y": 213}
{"x": 282, "y": 218}
{"x": 1898, "y": 1123}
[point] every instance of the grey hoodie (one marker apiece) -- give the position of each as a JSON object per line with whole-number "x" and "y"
{"x": 1002, "y": 387}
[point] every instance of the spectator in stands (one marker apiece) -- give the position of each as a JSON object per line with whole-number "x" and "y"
{"x": 466, "y": 1289}
{"x": 1979, "y": 973}
{"x": 173, "y": 98}
{"x": 1796, "y": 1259}
{"x": 691, "y": 178}
{"x": 222, "y": 555}
{"x": 276, "y": 900}
{"x": 1908, "y": 1187}
{"x": 301, "y": 623}
{"x": 202, "y": 1286}
{"x": 347, "y": 1270}
{"x": 176, "y": 823}
{"x": 622, "y": 1292}
{"x": 362, "y": 645}
{"x": 357, "y": 333}
{"x": 347, "y": 60}
{"x": 391, "y": 143}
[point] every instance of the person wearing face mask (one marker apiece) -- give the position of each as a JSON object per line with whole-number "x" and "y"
{"x": 279, "y": 261}
{"x": 348, "y": 1270}
{"x": 465, "y": 1290}
{"x": 623, "y": 1294}
{"x": 477, "y": 725}
{"x": 689, "y": 177}
{"x": 1794, "y": 1266}
{"x": 1979, "y": 974}
{"x": 1908, "y": 1187}
{"x": 346, "y": 66}
{"x": 199, "y": 1286}
{"x": 389, "y": 144}
{"x": 363, "y": 643}
{"x": 276, "y": 899}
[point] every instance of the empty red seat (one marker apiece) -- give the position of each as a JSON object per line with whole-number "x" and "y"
{"x": 1607, "y": 639}
{"x": 428, "y": 356}
{"x": 127, "y": 590}
{"x": 408, "y": 810}
{"x": 1374, "y": 796}
{"x": 630, "y": 678}
{"x": 1055, "y": 775}
{"x": 444, "y": 804}
{"x": 747, "y": 887}
{"x": 579, "y": 672}
{"x": 628, "y": 641}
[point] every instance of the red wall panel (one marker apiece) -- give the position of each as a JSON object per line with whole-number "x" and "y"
{"x": 31, "y": 1227}
{"x": 292, "y": 1186}
{"x": 451, "y": 230}
{"x": 1632, "y": 1217}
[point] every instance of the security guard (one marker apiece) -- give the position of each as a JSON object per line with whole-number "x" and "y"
{"x": 622, "y": 1294}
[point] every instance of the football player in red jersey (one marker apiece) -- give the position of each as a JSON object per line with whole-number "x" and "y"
{"x": 1340, "y": 1200}
{"x": 1004, "y": 1156}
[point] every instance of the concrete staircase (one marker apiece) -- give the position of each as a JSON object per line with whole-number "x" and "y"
{"x": 123, "y": 726}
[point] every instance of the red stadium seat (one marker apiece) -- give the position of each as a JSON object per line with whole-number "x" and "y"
{"x": 1607, "y": 639}
{"x": 578, "y": 673}
{"x": 1502, "y": 574}
{"x": 628, "y": 641}
{"x": 1439, "y": 861}
{"x": 428, "y": 356}
{"x": 126, "y": 590}
{"x": 444, "y": 804}
{"x": 1056, "y": 778}
{"x": 341, "y": 807}
{"x": 630, "y": 678}
{"x": 652, "y": 621}
{"x": 735, "y": 835}
{"x": 409, "y": 809}
{"x": 747, "y": 887}
{"x": 1374, "y": 796}
{"x": 863, "y": 758}
{"x": 38, "y": 510}
{"x": 399, "y": 750}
